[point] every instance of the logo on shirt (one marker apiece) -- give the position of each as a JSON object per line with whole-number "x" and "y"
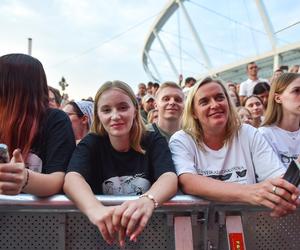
{"x": 286, "y": 159}
{"x": 235, "y": 174}
{"x": 126, "y": 185}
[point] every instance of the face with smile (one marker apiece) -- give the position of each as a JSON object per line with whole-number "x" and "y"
{"x": 116, "y": 113}
{"x": 290, "y": 98}
{"x": 210, "y": 107}
{"x": 169, "y": 103}
{"x": 255, "y": 106}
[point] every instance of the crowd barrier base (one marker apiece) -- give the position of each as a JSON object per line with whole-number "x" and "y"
{"x": 185, "y": 222}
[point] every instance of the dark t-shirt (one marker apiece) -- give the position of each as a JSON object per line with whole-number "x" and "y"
{"x": 108, "y": 171}
{"x": 154, "y": 127}
{"x": 54, "y": 144}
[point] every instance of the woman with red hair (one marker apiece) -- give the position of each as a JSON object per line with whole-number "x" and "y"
{"x": 40, "y": 140}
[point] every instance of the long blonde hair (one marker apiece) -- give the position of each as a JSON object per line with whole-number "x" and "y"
{"x": 274, "y": 112}
{"x": 138, "y": 127}
{"x": 193, "y": 127}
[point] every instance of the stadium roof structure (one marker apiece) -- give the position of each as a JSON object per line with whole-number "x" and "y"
{"x": 200, "y": 38}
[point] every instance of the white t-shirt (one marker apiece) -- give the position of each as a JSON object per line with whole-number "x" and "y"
{"x": 232, "y": 163}
{"x": 186, "y": 91}
{"x": 286, "y": 144}
{"x": 246, "y": 87}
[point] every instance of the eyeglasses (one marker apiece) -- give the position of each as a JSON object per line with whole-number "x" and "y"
{"x": 253, "y": 67}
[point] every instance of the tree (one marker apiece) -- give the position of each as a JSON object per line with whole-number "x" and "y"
{"x": 63, "y": 84}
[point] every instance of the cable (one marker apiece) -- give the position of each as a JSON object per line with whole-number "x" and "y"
{"x": 208, "y": 45}
{"x": 108, "y": 40}
{"x": 228, "y": 18}
{"x": 235, "y": 21}
{"x": 287, "y": 27}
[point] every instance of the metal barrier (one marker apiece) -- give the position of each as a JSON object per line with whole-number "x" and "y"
{"x": 29, "y": 222}
{"x": 185, "y": 222}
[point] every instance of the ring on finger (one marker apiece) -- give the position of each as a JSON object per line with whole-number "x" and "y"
{"x": 274, "y": 190}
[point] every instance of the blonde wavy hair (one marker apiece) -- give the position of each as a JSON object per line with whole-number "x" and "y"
{"x": 138, "y": 128}
{"x": 193, "y": 127}
{"x": 274, "y": 112}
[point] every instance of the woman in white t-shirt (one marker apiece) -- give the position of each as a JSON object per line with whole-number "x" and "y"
{"x": 281, "y": 126}
{"x": 256, "y": 107}
{"x": 214, "y": 154}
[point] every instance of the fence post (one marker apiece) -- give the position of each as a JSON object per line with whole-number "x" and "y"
{"x": 183, "y": 233}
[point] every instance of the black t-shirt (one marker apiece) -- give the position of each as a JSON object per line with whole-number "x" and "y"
{"x": 54, "y": 144}
{"x": 108, "y": 171}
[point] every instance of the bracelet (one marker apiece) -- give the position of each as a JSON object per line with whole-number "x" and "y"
{"x": 149, "y": 196}
{"x": 27, "y": 179}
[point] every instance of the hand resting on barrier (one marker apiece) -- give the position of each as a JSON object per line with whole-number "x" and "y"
{"x": 13, "y": 175}
{"x": 119, "y": 157}
{"x": 116, "y": 222}
{"x": 218, "y": 158}
{"x": 282, "y": 202}
{"x": 44, "y": 135}
{"x": 276, "y": 194}
{"x": 133, "y": 216}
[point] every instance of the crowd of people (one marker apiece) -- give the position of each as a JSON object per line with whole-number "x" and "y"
{"x": 220, "y": 141}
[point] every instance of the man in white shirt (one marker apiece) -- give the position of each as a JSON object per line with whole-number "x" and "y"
{"x": 189, "y": 82}
{"x": 246, "y": 87}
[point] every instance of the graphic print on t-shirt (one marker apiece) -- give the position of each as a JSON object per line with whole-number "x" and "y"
{"x": 234, "y": 174}
{"x": 286, "y": 157}
{"x": 126, "y": 185}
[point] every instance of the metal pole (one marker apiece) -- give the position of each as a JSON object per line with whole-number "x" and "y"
{"x": 153, "y": 65}
{"x": 29, "y": 46}
{"x": 267, "y": 23}
{"x": 166, "y": 54}
{"x": 276, "y": 61}
{"x": 196, "y": 37}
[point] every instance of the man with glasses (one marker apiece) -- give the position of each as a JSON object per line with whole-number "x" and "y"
{"x": 246, "y": 87}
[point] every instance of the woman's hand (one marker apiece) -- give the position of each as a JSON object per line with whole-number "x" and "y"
{"x": 101, "y": 216}
{"x": 13, "y": 175}
{"x": 276, "y": 194}
{"x": 131, "y": 218}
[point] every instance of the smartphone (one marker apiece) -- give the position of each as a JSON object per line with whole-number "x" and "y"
{"x": 292, "y": 174}
{"x": 4, "y": 155}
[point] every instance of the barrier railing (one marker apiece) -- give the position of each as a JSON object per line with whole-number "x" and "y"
{"x": 184, "y": 222}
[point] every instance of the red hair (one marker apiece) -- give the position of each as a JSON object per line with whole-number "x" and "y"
{"x": 23, "y": 100}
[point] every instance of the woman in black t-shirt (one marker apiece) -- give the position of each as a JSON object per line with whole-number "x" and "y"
{"x": 120, "y": 158}
{"x": 37, "y": 137}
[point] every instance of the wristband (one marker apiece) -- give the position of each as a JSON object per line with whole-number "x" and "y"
{"x": 149, "y": 196}
{"x": 27, "y": 179}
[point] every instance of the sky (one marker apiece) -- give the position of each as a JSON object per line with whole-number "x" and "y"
{"x": 89, "y": 42}
{"x": 74, "y": 39}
